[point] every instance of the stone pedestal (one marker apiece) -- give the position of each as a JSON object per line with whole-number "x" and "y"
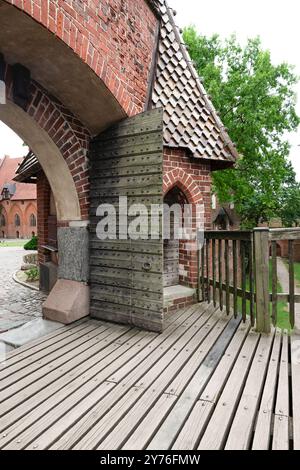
{"x": 68, "y": 301}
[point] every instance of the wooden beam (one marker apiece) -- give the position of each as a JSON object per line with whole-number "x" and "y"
{"x": 261, "y": 250}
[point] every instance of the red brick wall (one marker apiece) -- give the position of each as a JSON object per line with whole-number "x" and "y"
{"x": 43, "y": 212}
{"x": 24, "y": 209}
{"x": 66, "y": 131}
{"x": 283, "y": 249}
{"x": 114, "y": 37}
{"x": 194, "y": 179}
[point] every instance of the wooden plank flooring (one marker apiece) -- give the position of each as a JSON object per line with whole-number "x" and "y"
{"x": 208, "y": 382}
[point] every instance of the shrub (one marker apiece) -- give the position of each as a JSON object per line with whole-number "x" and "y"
{"x": 32, "y": 244}
{"x": 33, "y": 274}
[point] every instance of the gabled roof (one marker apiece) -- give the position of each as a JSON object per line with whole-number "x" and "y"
{"x": 190, "y": 118}
{"x": 28, "y": 169}
{"x": 8, "y": 168}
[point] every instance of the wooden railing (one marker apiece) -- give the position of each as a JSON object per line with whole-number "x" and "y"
{"x": 234, "y": 271}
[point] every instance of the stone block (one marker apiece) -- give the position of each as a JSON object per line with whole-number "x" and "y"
{"x": 67, "y": 302}
{"x": 48, "y": 276}
{"x": 73, "y": 248}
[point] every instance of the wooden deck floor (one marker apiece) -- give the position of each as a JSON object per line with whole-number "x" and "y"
{"x": 207, "y": 382}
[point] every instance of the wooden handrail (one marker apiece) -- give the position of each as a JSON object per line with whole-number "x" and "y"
{"x": 284, "y": 234}
{"x": 235, "y": 265}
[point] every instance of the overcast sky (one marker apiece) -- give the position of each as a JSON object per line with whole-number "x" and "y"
{"x": 275, "y": 21}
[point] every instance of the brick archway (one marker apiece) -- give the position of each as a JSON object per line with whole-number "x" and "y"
{"x": 52, "y": 132}
{"x": 178, "y": 177}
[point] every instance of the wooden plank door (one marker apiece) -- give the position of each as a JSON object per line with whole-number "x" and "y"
{"x": 126, "y": 275}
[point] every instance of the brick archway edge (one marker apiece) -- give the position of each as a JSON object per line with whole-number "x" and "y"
{"x": 178, "y": 177}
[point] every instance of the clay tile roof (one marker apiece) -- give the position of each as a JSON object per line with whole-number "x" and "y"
{"x": 191, "y": 120}
{"x": 8, "y": 168}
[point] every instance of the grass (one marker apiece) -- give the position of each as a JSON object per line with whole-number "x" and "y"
{"x": 282, "y": 307}
{"x": 283, "y": 321}
{"x": 297, "y": 273}
{"x": 12, "y": 243}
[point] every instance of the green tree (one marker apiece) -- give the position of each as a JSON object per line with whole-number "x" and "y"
{"x": 256, "y": 102}
{"x": 290, "y": 206}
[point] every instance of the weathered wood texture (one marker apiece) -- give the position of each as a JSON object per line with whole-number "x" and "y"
{"x": 246, "y": 261}
{"x": 208, "y": 381}
{"x": 226, "y": 271}
{"x": 261, "y": 250}
{"x": 126, "y": 275}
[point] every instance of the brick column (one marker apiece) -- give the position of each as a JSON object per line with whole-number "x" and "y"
{"x": 43, "y": 211}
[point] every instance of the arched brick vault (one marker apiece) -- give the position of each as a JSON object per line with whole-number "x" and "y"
{"x": 70, "y": 137}
{"x": 115, "y": 39}
{"x": 68, "y": 134}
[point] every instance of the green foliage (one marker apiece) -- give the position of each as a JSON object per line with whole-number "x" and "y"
{"x": 290, "y": 206}
{"x": 32, "y": 244}
{"x": 32, "y": 274}
{"x": 297, "y": 273}
{"x": 256, "y": 102}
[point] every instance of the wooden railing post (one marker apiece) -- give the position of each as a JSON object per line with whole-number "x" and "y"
{"x": 261, "y": 252}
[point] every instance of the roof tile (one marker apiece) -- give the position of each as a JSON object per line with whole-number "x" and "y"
{"x": 8, "y": 167}
{"x": 189, "y": 112}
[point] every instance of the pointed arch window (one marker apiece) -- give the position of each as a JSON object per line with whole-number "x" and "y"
{"x": 17, "y": 220}
{"x": 32, "y": 220}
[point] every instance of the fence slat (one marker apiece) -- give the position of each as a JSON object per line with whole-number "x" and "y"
{"x": 261, "y": 247}
{"x": 243, "y": 262}
{"x": 202, "y": 274}
{"x": 214, "y": 271}
{"x": 292, "y": 283}
{"x": 235, "y": 296}
{"x": 220, "y": 274}
{"x": 199, "y": 274}
{"x": 251, "y": 284}
{"x": 274, "y": 283}
{"x": 227, "y": 274}
{"x": 207, "y": 271}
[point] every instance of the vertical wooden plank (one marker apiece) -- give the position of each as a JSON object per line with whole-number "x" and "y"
{"x": 214, "y": 271}
{"x": 282, "y": 408}
{"x": 227, "y": 276}
{"x": 292, "y": 283}
{"x": 251, "y": 283}
{"x": 220, "y": 274}
{"x": 235, "y": 267}
{"x": 295, "y": 373}
{"x": 207, "y": 271}
{"x": 261, "y": 249}
{"x": 202, "y": 273}
{"x": 274, "y": 283}
{"x": 199, "y": 274}
{"x": 243, "y": 261}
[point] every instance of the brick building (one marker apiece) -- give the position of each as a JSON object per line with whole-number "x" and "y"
{"x": 111, "y": 105}
{"x": 18, "y": 207}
